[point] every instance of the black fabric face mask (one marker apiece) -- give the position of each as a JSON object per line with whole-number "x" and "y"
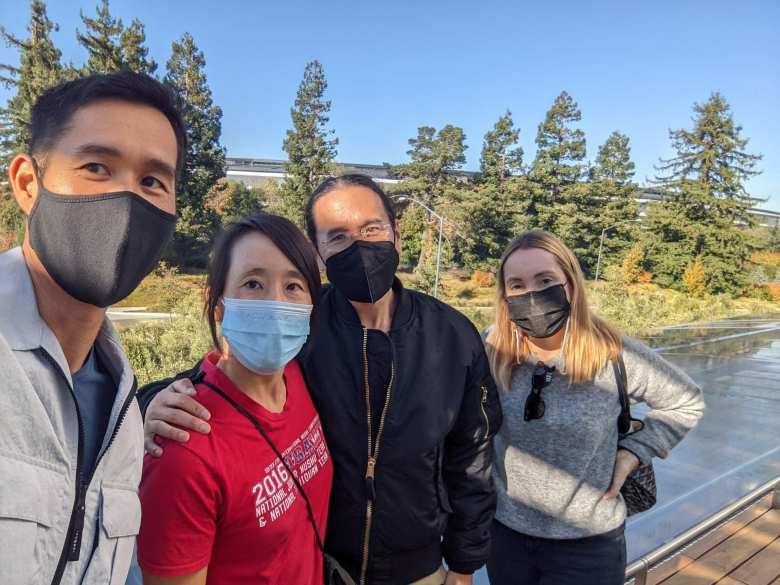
{"x": 98, "y": 248}
{"x": 540, "y": 313}
{"x": 364, "y": 272}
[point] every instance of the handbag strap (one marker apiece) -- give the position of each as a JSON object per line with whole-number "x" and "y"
{"x": 624, "y": 420}
{"x": 198, "y": 379}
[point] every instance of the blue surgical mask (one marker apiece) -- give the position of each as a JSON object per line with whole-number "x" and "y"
{"x": 265, "y": 336}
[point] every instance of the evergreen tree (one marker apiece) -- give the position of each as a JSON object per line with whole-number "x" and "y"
{"x": 413, "y": 220}
{"x": 39, "y": 69}
{"x": 773, "y": 240}
{"x": 134, "y": 54}
{"x": 611, "y": 205}
{"x": 101, "y": 39}
{"x": 205, "y": 163}
{"x": 434, "y": 156}
{"x": 499, "y": 159}
{"x": 428, "y": 177}
{"x": 712, "y": 154}
{"x": 310, "y": 147}
{"x": 558, "y": 166}
{"x": 487, "y": 223}
{"x": 707, "y": 202}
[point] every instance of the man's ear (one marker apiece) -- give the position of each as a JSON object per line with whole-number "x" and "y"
{"x": 21, "y": 177}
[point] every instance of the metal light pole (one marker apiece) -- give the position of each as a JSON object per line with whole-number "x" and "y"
{"x": 601, "y": 245}
{"x": 441, "y": 233}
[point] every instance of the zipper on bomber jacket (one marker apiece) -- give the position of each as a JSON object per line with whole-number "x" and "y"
{"x": 484, "y": 412}
{"x": 71, "y": 549}
{"x": 373, "y": 450}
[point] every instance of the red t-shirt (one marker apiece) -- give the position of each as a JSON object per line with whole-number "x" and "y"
{"x": 226, "y": 501}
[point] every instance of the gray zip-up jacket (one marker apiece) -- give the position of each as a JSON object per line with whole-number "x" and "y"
{"x": 48, "y": 526}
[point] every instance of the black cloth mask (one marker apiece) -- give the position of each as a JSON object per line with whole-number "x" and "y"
{"x": 98, "y": 248}
{"x": 540, "y": 313}
{"x": 365, "y": 271}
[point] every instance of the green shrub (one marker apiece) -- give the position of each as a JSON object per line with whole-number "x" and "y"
{"x": 159, "y": 349}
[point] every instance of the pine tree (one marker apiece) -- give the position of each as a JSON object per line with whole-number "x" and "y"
{"x": 611, "y": 205}
{"x": 428, "y": 177}
{"x": 101, "y": 40}
{"x": 712, "y": 154}
{"x": 413, "y": 220}
{"x": 39, "y": 69}
{"x": 310, "y": 147}
{"x": 134, "y": 54}
{"x": 499, "y": 159}
{"x": 486, "y": 220}
{"x": 558, "y": 166}
{"x": 707, "y": 202}
{"x": 434, "y": 156}
{"x": 205, "y": 163}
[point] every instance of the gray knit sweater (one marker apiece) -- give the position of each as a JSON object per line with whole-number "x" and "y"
{"x": 551, "y": 473}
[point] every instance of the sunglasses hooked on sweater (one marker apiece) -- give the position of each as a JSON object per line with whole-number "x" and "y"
{"x": 534, "y": 405}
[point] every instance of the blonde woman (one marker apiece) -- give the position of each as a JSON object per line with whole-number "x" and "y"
{"x": 560, "y": 462}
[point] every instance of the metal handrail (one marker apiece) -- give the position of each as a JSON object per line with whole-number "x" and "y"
{"x": 638, "y": 569}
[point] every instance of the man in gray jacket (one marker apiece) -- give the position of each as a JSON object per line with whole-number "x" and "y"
{"x": 97, "y": 185}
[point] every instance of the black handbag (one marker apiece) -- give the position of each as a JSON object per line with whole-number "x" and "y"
{"x": 334, "y": 573}
{"x": 639, "y": 490}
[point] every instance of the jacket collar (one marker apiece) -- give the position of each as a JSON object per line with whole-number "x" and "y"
{"x": 20, "y": 322}
{"x": 25, "y": 330}
{"x": 403, "y": 310}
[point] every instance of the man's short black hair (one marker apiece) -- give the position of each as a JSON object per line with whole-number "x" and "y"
{"x": 349, "y": 180}
{"x": 54, "y": 109}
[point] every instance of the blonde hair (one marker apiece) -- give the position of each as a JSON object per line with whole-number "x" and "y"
{"x": 589, "y": 343}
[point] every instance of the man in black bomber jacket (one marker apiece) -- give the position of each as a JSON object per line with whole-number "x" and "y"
{"x": 409, "y": 408}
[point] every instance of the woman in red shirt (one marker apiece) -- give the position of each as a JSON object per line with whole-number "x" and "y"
{"x": 240, "y": 504}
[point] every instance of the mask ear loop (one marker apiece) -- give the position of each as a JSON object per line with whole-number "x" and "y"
{"x": 563, "y": 349}
{"x": 516, "y": 334}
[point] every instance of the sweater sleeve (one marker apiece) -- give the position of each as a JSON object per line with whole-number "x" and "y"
{"x": 676, "y": 402}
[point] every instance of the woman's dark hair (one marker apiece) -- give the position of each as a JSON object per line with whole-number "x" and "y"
{"x": 284, "y": 235}
{"x": 351, "y": 180}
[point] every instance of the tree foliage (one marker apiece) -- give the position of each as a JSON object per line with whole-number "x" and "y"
{"x": 558, "y": 165}
{"x": 101, "y": 40}
{"x": 205, "y": 163}
{"x": 609, "y": 205}
{"x": 501, "y": 157}
{"x": 310, "y": 146}
{"x": 707, "y": 204}
{"x": 134, "y": 53}
{"x": 232, "y": 200}
{"x": 38, "y": 69}
{"x": 694, "y": 279}
{"x": 112, "y": 47}
{"x": 434, "y": 158}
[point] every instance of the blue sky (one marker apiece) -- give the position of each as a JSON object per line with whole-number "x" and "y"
{"x": 393, "y": 66}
